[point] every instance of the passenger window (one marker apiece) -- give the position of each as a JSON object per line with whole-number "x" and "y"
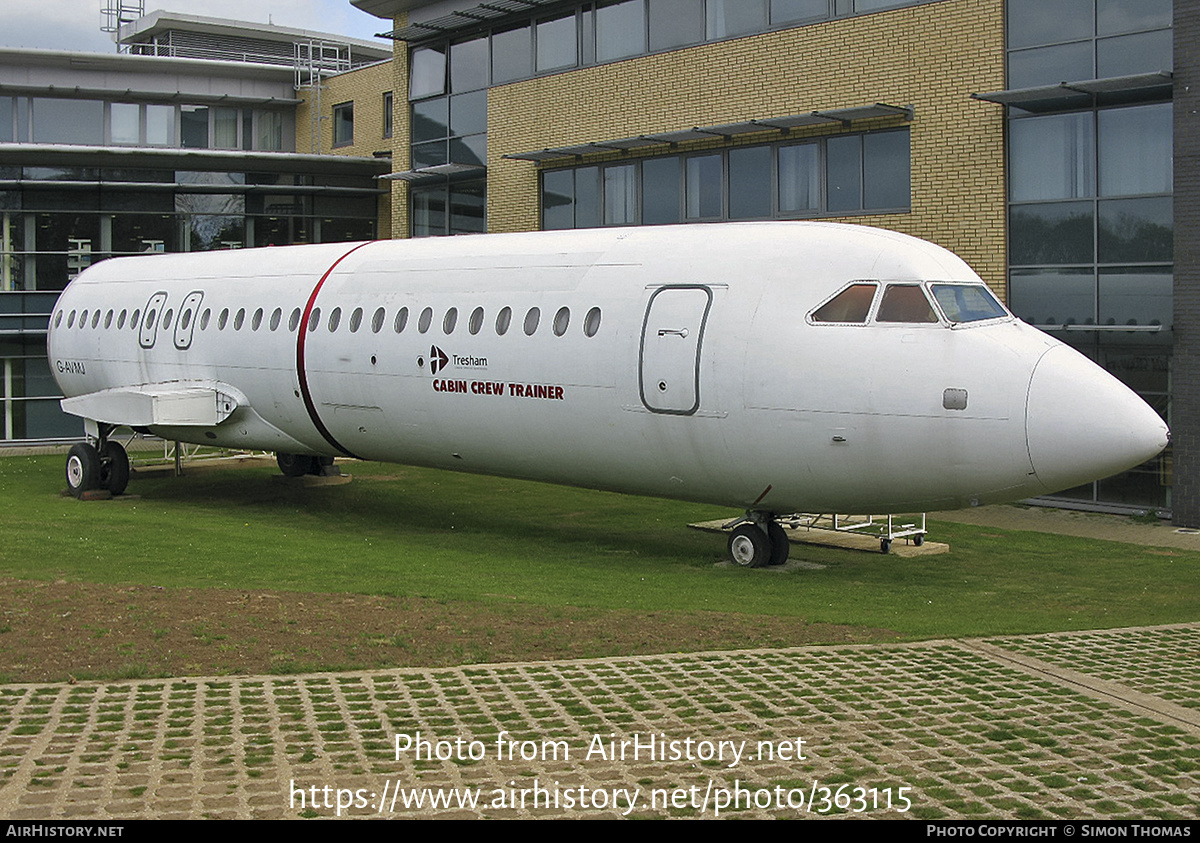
{"x": 905, "y": 303}
{"x": 223, "y": 319}
{"x": 71, "y": 320}
{"x": 133, "y": 320}
{"x": 108, "y": 320}
{"x": 121, "y": 319}
{"x": 95, "y": 319}
{"x": 335, "y": 319}
{"x": 425, "y": 320}
{"x": 185, "y": 320}
{"x": 151, "y": 316}
{"x": 204, "y": 317}
{"x": 294, "y": 320}
{"x": 276, "y": 318}
{"x": 356, "y": 320}
{"x": 850, "y": 306}
{"x": 476, "y": 323}
{"x": 561, "y": 320}
{"x": 239, "y": 319}
{"x": 166, "y": 323}
{"x": 83, "y": 319}
{"x": 503, "y": 320}
{"x": 591, "y": 322}
{"x": 314, "y": 319}
{"x": 450, "y": 320}
{"x": 256, "y": 321}
{"x": 531, "y": 321}
{"x": 377, "y": 321}
{"x": 401, "y": 319}
{"x": 58, "y": 319}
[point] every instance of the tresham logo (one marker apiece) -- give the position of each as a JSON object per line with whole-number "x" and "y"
{"x": 437, "y": 359}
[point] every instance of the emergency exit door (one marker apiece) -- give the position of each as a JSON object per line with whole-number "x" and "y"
{"x": 669, "y": 375}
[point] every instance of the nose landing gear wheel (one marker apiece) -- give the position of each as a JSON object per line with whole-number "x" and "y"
{"x": 749, "y": 547}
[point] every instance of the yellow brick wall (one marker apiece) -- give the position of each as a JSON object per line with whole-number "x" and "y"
{"x": 400, "y": 148}
{"x": 931, "y": 57}
{"x": 364, "y": 87}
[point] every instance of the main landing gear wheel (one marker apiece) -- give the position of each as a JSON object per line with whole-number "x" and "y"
{"x": 83, "y": 469}
{"x": 295, "y": 465}
{"x": 749, "y": 546}
{"x": 114, "y": 468}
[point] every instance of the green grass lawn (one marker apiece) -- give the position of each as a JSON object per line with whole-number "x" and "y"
{"x": 415, "y": 532}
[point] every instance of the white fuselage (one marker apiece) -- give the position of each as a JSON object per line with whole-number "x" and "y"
{"x": 701, "y": 374}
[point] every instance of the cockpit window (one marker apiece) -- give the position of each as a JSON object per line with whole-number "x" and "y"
{"x": 967, "y": 302}
{"x": 851, "y": 305}
{"x": 905, "y": 303}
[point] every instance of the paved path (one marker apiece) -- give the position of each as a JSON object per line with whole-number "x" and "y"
{"x": 1085, "y": 725}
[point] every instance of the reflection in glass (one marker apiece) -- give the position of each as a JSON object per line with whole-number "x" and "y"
{"x": 726, "y": 18}
{"x": 427, "y": 76}
{"x": 469, "y": 65}
{"x": 620, "y": 30}
{"x": 556, "y": 43}
{"x": 1136, "y": 230}
{"x": 886, "y": 170}
{"x": 1135, "y": 296}
{"x": 799, "y": 178}
{"x": 1060, "y": 232}
{"x": 1033, "y": 22}
{"x": 704, "y": 198}
{"x": 789, "y": 11}
{"x": 844, "y": 173}
{"x": 661, "y": 179}
{"x": 1051, "y": 157}
{"x": 1128, "y": 55}
{"x": 676, "y": 23}
{"x": 620, "y": 195}
{"x": 749, "y": 182}
{"x": 1053, "y": 296}
{"x": 512, "y": 54}
{"x": 1135, "y": 150}
{"x": 125, "y": 121}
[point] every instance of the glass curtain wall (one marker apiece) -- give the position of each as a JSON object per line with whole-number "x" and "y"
{"x": 1090, "y": 205}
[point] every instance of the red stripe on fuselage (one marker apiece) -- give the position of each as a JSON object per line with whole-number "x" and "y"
{"x": 301, "y": 374}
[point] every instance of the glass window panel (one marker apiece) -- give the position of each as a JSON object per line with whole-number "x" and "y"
{"x": 727, "y": 18}
{"x": 144, "y": 233}
{"x": 1116, "y": 16}
{"x": 469, "y": 65}
{"x": 1051, "y": 65}
{"x": 429, "y": 154}
{"x": 676, "y": 23}
{"x": 844, "y": 173}
{"x": 387, "y": 114}
{"x": 749, "y": 182}
{"x": 557, "y": 43}
{"x": 704, "y": 197}
{"x": 468, "y": 207}
{"x": 1136, "y": 150}
{"x": 125, "y": 120}
{"x": 427, "y": 74}
{"x": 851, "y": 305}
{"x": 587, "y": 36}
{"x": 472, "y": 150}
{"x": 247, "y": 129}
{"x": 343, "y": 124}
{"x": 193, "y": 126}
{"x": 1135, "y": 296}
{"x": 1128, "y": 55}
{"x": 620, "y": 30}
{"x": 862, "y": 7}
{"x": 68, "y": 121}
{"x": 431, "y": 119}
{"x": 1135, "y": 230}
{"x": 558, "y": 199}
{"x": 468, "y": 113}
{"x": 799, "y": 178}
{"x": 905, "y": 303}
{"x": 620, "y": 195}
{"x": 160, "y": 125}
{"x": 270, "y": 131}
{"x": 512, "y": 54}
{"x": 6, "y": 119}
{"x": 1053, "y": 297}
{"x": 225, "y": 128}
{"x": 886, "y": 170}
{"x": 587, "y": 197}
{"x": 428, "y": 212}
{"x": 1055, "y": 233}
{"x": 1032, "y": 22}
{"x": 792, "y": 11}
{"x": 1051, "y": 157}
{"x": 662, "y": 188}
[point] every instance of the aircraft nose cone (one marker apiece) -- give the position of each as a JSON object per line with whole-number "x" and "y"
{"x": 1082, "y": 424}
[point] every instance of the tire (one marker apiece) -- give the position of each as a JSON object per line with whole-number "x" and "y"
{"x": 114, "y": 468}
{"x": 294, "y": 465}
{"x": 83, "y": 469}
{"x": 749, "y": 547}
{"x": 918, "y": 539}
{"x": 780, "y": 546}
{"x": 885, "y": 545}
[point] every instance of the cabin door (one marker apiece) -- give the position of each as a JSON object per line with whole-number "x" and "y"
{"x": 669, "y": 374}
